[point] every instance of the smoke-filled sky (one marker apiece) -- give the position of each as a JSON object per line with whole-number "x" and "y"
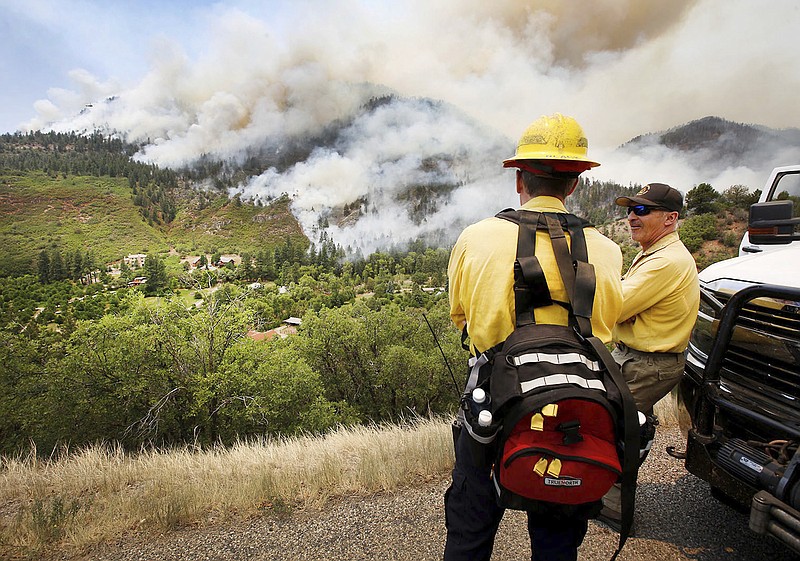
{"x": 192, "y": 77}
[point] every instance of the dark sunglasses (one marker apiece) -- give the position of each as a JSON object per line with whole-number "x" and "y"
{"x": 642, "y": 210}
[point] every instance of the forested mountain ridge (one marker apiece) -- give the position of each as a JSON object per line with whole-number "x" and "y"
{"x": 714, "y": 144}
{"x": 594, "y": 200}
{"x": 738, "y": 138}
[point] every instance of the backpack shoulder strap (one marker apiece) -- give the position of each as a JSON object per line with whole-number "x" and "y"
{"x": 530, "y": 285}
{"x": 510, "y": 214}
{"x": 586, "y": 282}
{"x": 576, "y": 272}
{"x": 630, "y": 459}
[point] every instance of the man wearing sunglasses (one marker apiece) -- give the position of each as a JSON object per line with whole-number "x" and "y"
{"x": 661, "y": 295}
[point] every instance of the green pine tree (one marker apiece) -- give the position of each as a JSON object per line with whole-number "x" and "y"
{"x": 156, "y": 272}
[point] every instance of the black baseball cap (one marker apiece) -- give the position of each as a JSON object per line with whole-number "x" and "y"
{"x": 655, "y": 194}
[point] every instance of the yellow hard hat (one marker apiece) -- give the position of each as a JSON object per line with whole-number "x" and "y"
{"x": 557, "y": 139}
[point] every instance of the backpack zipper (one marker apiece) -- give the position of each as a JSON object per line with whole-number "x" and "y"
{"x": 545, "y": 452}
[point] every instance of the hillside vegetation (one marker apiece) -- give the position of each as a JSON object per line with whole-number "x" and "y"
{"x": 95, "y": 214}
{"x": 68, "y": 193}
{"x": 230, "y": 226}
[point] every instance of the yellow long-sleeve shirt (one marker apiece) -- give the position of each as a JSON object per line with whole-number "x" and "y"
{"x": 661, "y": 297}
{"x": 481, "y": 278}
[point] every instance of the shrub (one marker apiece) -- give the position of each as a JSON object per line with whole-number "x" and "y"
{"x": 696, "y": 229}
{"x": 729, "y": 239}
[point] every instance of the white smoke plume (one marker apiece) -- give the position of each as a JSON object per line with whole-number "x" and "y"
{"x": 381, "y": 156}
{"x": 621, "y": 67}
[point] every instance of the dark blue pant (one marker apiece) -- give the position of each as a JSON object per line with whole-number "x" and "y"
{"x": 472, "y": 518}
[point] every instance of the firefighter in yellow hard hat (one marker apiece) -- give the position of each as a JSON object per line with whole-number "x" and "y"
{"x": 550, "y": 156}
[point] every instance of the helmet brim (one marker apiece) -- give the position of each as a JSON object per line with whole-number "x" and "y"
{"x": 562, "y": 165}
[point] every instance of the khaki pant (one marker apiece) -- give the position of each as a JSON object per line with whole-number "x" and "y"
{"x": 650, "y": 376}
{"x": 612, "y": 501}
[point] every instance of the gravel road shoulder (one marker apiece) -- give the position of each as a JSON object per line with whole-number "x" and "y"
{"x": 676, "y": 519}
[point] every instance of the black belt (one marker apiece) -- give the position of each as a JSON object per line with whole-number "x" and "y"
{"x": 623, "y": 347}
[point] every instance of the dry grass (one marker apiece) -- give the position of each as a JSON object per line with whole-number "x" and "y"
{"x": 99, "y": 493}
{"x": 671, "y": 411}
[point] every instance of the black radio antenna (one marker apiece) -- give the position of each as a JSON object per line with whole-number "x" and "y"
{"x": 455, "y": 384}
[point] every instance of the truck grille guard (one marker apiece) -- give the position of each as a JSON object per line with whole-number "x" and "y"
{"x": 769, "y": 513}
{"x": 759, "y": 368}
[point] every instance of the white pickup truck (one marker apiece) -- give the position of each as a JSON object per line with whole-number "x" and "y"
{"x": 742, "y": 380}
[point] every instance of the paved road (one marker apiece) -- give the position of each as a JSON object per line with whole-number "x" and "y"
{"x": 677, "y": 519}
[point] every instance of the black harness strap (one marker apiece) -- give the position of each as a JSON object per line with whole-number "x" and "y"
{"x": 585, "y": 280}
{"x": 563, "y": 257}
{"x": 578, "y": 276}
{"x": 530, "y": 285}
{"x": 630, "y": 458}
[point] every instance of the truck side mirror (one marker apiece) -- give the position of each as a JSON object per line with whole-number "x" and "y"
{"x": 771, "y": 222}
